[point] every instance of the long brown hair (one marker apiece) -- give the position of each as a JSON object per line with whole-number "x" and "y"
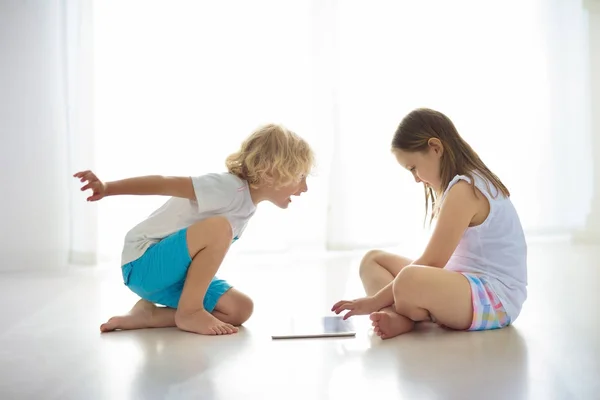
{"x": 458, "y": 158}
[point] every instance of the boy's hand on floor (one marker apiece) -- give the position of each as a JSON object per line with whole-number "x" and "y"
{"x": 98, "y": 187}
{"x": 362, "y": 306}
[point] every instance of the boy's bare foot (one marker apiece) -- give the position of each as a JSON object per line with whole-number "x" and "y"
{"x": 388, "y": 324}
{"x": 203, "y": 323}
{"x": 139, "y": 317}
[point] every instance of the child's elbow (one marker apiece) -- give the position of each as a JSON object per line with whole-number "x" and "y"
{"x": 437, "y": 264}
{"x": 431, "y": 262}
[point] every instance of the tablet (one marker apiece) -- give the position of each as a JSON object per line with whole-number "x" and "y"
{"x": 317, "y": 327}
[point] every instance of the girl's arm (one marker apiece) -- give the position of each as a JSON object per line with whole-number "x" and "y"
{"x": 385, "y": 297}
{"x": 455, "y": 216}
{"x": 143, "y": 185}
{"x": 456, "y": 213}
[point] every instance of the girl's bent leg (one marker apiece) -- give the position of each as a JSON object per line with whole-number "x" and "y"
{"x": 378, "y": 269}
{"x": 423, "y": 291}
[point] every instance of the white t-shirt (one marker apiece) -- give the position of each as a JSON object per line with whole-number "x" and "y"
{"x": 217, "y": 194}
{"x": 495, "y": 249}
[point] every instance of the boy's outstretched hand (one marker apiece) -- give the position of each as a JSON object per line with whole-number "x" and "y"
{"x": 98, "y": 187}
{"x": 362, "y": 306}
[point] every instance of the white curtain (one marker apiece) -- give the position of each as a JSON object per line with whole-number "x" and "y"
{"x": 179, "y": 84}
{"x": 77, "y": 88}
{"x": 44, "y": 133}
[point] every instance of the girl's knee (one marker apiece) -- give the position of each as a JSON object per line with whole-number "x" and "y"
{"x": 368, "y": 262}
{"x": 408, "y": 287}
{"x": 407, "y": 282}
{"x": 409, "y": 275}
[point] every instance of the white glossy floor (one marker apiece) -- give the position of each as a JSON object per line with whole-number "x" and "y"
{"x": 51, "y": 348}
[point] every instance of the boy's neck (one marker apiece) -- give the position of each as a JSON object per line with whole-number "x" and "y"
{"x": 258, "y": 195}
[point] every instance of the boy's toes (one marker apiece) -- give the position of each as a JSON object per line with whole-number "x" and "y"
{"x": 228, "y": 329}
{"x": 110, "y": 325}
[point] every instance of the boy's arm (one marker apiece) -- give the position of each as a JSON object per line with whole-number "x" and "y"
{"x": 143, "y": 185}
{"x": 175, "y": 186}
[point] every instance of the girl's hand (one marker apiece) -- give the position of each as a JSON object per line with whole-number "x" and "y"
{"x": 362, "y": 306}
{"x": 98, "y": 187}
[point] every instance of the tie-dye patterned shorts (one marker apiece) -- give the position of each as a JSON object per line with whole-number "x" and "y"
{"x": 488, "y": 311}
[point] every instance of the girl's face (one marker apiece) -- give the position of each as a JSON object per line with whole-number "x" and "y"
{"x": 424, "y": 165}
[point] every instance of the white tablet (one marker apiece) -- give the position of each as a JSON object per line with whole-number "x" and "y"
{"x": 317, "y": 327}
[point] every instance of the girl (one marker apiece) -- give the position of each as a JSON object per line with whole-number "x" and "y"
{"x": 473, "y": 273}
{"x": 171, "y": 258}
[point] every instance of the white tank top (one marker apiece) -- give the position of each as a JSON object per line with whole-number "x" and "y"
{"x": 495, "y": 249}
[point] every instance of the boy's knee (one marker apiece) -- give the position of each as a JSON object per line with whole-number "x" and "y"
{"x": 220, "y": 229}
{"x": 368, "y": 262}
{"x": 213, "y": 230}
{"x": 243, "y": 310}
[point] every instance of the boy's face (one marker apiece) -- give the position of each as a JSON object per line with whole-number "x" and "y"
{"x": 282, "y": 197}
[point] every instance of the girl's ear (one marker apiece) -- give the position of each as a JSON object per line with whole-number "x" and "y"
{"x": 436, "y": 146}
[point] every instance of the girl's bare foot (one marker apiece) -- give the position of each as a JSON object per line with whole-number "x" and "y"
{"x": 140, "y": 316}
{"x": 388, "y": 324}
{"x": 204, "y": 323}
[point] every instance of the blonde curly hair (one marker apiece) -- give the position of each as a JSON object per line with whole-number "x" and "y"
{"x": 271, "y": 155}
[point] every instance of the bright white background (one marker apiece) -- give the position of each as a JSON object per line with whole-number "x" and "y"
{"x": 151, "y": 87}
{"x": 180, "y": 84}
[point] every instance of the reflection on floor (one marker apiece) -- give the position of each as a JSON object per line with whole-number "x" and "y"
{"x": 51, "y": 347}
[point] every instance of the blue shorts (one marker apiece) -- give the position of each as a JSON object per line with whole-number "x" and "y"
{"x": 158, "y": 275}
